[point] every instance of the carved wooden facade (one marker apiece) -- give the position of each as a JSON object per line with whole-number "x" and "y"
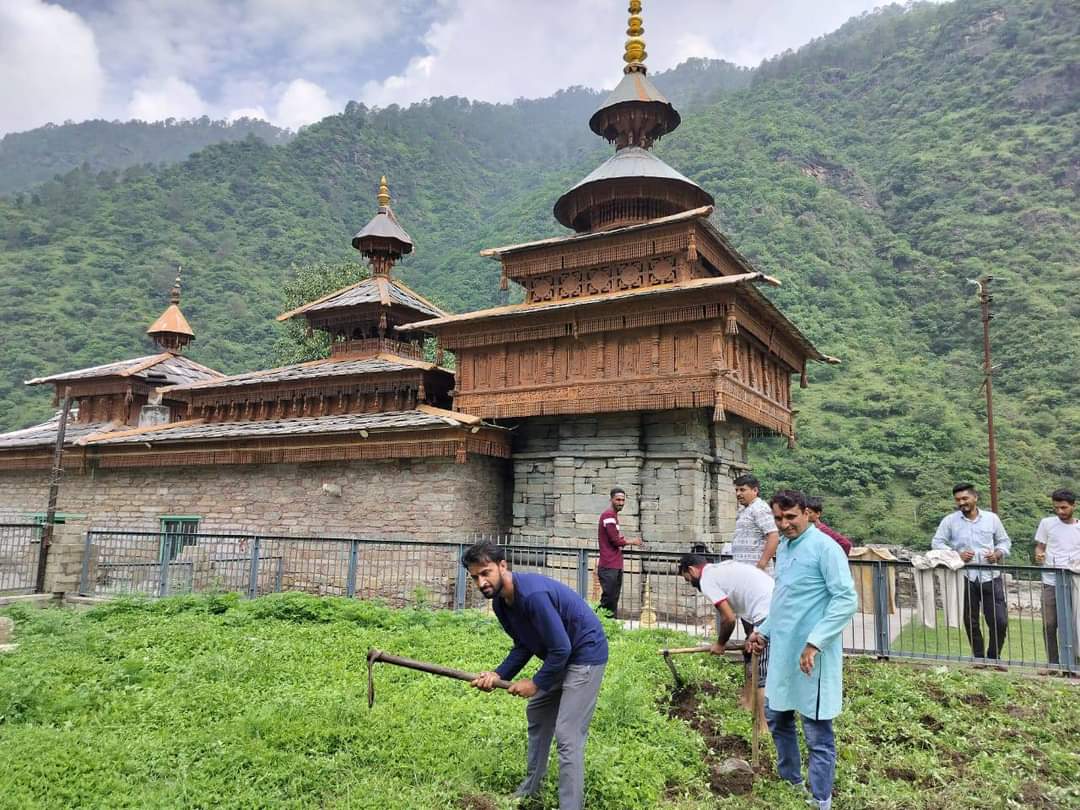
{"x": 651, "y": 317}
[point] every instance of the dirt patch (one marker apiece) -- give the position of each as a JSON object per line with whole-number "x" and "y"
{"x": 1032, "y": 796}
{"x": 975, "y": 699}
{"x": 931, "y": 723}
{"x": 737, "y": 783}
{"x": 686, "y": 705}
{"x": 473, "y": 801}
{"x": 903, "y": 774}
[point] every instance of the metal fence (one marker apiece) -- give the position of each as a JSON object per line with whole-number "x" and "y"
{"x": 903, "y": 612}
{"x": 20, "y": 544}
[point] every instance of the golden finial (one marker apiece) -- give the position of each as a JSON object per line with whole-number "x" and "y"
{"x": 174, "y": 296}
{"x": 384, "y": 193}
{"x": 635, "y": 46}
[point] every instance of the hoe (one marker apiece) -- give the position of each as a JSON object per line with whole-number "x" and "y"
{"x": 378, "y": 655}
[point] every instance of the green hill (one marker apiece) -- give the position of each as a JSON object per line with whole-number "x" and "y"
{"x": 32, "y": 157}
{"x": 874, "y": 171}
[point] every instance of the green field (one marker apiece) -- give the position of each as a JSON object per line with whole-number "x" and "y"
{"x": 215, "y": 702}
{"x": 1023, "y": 641}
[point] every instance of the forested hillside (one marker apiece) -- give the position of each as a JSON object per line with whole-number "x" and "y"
{"x": 874, "y": 171}
{"x": 29, "y": 158}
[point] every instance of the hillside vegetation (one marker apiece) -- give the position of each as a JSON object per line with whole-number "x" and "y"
{"x": 30, "y": 158}
{"x": 874, "y": 171}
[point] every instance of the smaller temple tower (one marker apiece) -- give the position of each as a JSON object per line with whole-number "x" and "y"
{"x": 171, "y": 331}
{"x": 363, "y": 319}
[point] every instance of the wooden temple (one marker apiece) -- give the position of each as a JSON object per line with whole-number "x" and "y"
{"x": 643, "y": 354}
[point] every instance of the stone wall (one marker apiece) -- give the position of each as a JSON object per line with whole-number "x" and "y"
{"x": 676, "y": 467}
{"x": 418, "y": 498}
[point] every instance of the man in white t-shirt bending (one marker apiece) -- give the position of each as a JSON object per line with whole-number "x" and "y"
{"x": 738, "y": 590}
{"x": 1057, "y": 545}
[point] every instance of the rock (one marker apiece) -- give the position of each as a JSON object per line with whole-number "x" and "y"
{"x": 7, "y": 629}
{"x": 732, "y": 766}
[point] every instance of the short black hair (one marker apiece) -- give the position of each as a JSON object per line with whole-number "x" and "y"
{"x": 686, "y": 561}
{"x": 788, "y": 498}
{"x": 815, "y": 503}
{"x": 616, "y": 491}
{"x": 483, "y": 552}
{"x": 747, "y": 480}
{"x": 964, "y": 486}
{"x": 1066, "y": 495}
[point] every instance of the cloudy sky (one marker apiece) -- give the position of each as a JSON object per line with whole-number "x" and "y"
{"x": 293, "y": 62}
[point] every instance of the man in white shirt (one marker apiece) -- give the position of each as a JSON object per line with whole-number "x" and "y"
{"x": 755, "y": 538}
{"x": 1057, "y": 545}
{"x": 740, "y": 591}
{"x": 980, "y": 539}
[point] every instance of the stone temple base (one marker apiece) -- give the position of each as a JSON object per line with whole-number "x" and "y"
{"x": 676, "y": 468}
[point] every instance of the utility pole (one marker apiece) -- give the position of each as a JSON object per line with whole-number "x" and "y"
{"x": 54, "y": 491}
{"x": 988, "y": 381}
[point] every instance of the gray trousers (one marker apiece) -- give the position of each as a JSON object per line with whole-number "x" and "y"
{"x": 564, "y": 712}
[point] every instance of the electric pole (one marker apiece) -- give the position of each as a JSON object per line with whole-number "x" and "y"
{"x": 988, "y": 381}
{"x": 54, "y": 491}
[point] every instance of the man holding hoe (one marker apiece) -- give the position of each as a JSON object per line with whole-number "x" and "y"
{"x": 740, "y": 592}
{"x": 545, "y": 618}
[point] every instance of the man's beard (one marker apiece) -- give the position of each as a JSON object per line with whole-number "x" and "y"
{"x": 495, "y": 591}
{"x": 696, "y": 582}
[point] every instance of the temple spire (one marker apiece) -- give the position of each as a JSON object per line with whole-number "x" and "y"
{"x": 633, "y": 185}
{"x": 383, "y": 241}
{"x": 171, "y": 331}
{"x": 174, "y": 295}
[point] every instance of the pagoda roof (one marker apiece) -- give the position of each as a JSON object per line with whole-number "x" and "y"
{"x": 634, "y": 87}
{"x": 422, "y": 417}
{"x": 171, "y": 320}
{"x": 313, "y": 370}
{"x": 631, "y": 165}
{"x": 384, "y": 225}
{"x": 44, "y": 434}
{"x": 175, "y": 368}
{"x": 701, "y": 213}
{"x": 374, "y": 290}
{"x": 745, "y": 281}
{"x": 635, "y": 162}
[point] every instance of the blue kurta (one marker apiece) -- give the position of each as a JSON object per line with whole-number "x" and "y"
{"x": 813, "y": 601}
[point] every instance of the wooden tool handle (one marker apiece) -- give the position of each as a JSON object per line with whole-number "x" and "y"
{"x": 755, "y": 735}
{"x": 375, "y": 656}
{"x": 731, "y": 645}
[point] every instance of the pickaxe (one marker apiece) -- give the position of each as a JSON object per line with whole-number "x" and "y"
{"x": 378, "y": 655}
{"x": 667, "y": 652}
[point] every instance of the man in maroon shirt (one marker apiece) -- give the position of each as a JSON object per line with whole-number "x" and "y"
{"x": 609, "y": 569}
{"x": 814, "y": 505}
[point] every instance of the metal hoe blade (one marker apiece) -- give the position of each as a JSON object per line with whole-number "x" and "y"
{"x": 372, "y": 656}
{"x": 674, "y": 672}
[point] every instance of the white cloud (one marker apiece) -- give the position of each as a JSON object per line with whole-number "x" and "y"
{"x": 247, "y": 112}
{"x": 169, "y": 98}
{"x": 499, "y": 50}
{"x": 303, "y": 102}
{"x": 49, "y": 66}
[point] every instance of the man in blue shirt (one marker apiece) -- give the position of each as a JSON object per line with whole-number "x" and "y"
{"x": 813, "y": 601}
{"x": 981, "y": 540}
{"x": 546, "y": 619}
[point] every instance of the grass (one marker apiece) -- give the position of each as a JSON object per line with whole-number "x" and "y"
{"x": 1023, "y": 640}
{"x": 215, "y": 702}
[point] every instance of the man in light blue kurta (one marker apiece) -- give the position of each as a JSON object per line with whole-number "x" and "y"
{"x": 813, "y": 601}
